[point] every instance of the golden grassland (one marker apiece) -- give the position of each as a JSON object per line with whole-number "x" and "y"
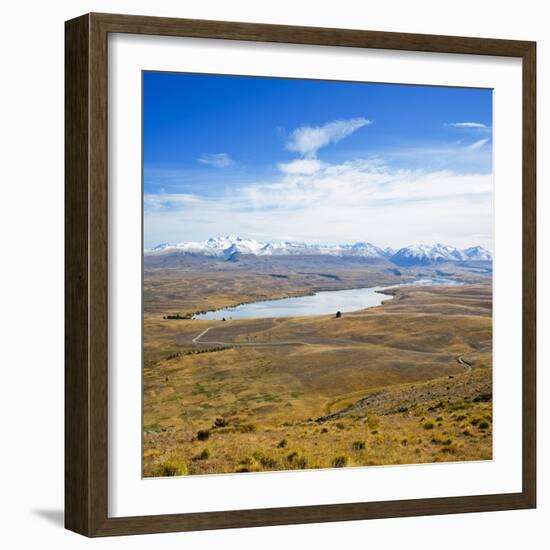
{"x": 406, "y": 382}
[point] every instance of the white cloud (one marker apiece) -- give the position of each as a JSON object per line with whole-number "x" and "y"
{"x": 301, "y": 166}
{"x": 307, "y": 140}
{"x": 468, "y": 125}
{"x": 477, "y": 145}
{"x": 348, "y": 202}
{"x": 161, "y": 201}
{"x": 218, "y": 160}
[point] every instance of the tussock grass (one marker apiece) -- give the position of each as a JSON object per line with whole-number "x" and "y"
{"x": 173, "y": 466}
{"x": 246, "y": 401}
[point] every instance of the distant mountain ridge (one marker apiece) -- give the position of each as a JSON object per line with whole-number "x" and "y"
{"x": 231, "y": 247}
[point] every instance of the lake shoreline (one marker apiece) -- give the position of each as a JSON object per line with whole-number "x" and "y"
{"x": 316, "y": 305}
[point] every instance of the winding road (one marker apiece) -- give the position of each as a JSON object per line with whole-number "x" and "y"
{"x": 245, "y": 344}
{"x": 464, "y": 363}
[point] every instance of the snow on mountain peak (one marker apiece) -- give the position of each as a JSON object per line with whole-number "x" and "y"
{"x": 231, "y": 246}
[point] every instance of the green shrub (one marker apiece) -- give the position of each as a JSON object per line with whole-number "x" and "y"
{"x": 268, "y": 462}
{"x": 483, "y": 397}
{"x": 220, "y": 422}
{"x": 483, "y": 425}
{"x": 340, "y": 461}
{"x": 358, "y": 445}
{"x": 428, "y": 425}
{"x": 203, "y": 435}
{"x": 282, "y": 444}
{"x": 172, "y": 467}
{"x": 297, "y": 460}
{"x": 204, "y": 455}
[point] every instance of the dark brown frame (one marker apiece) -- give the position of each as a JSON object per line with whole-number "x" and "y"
{"x": 86, "y": 274}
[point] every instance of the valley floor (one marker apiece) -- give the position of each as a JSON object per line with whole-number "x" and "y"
{"x": 407, "y": 382}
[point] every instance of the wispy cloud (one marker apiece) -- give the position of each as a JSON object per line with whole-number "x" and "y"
{"x": 218, "y": 160}
{"x": 307, "y": 140}
{"x": 301, "y": 166}
{"x": 467, "y": 125}
{"x": 477, "y": 145}
{"x": 162, "y": 201}
{"x": 355, "y": 200}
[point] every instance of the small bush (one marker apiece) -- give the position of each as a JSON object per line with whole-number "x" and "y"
{"x": 171, "y": 467}
{"x": 461, "y": 417}
{"x": 467, "y": 433}
{"x": 268, "y": 462}
{"x": 247, "y": 461}
{"x": 265, "y": 461}
{"x": 203, "y": 435}
{"x": 358, "y": 445}
{"x": 437, "y": 441}
{"x": 282, "y": 444}
{"x": 428, "y": 425}
{"x": 297, "y": 460}
{"x": 439, "y": 419}
{"x": 324, "y": 430}
{"x": 340, "y": 461}
{"x": 220, "y": 422}
{"x": 204, "y": 455}
{"x": 340, "y": 425}
{"x": 475, "y": 421}
{"x": 483, "y": 425}
{"x": 483, "y": 397}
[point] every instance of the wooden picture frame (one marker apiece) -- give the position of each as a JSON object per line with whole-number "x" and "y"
{"x": 86, "y": 283}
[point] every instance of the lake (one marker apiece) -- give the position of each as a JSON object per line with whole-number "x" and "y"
{"x": 321, "y": 303}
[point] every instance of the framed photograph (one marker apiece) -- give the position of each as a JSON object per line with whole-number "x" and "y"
{"x": 300, "y": 275}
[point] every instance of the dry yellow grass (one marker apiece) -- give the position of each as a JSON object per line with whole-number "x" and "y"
{"x": 253, "y": 408}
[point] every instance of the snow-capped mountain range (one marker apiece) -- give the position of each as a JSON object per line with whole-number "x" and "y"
{"x": 230, "y": 247}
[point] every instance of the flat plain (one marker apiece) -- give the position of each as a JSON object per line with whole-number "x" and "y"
{"x": 406, "y": 382}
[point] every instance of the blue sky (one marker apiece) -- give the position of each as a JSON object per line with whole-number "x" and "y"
{"x": 315, "y": 161}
